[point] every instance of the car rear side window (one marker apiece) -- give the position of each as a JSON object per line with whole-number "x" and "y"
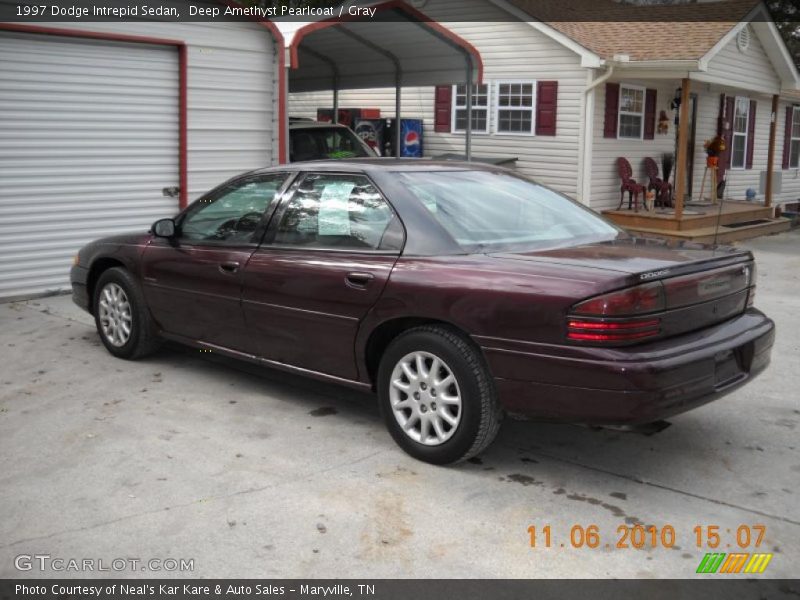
{"x": 339, "y": 212}
{"x": 486, "y": 211}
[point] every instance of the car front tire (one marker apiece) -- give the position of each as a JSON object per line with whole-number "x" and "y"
{"x": 120, "y": 313}
{"x": 436, "y": 395}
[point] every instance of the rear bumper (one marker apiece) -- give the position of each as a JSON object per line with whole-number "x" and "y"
{"x": 78, "y": 276}
{"x": 637, "y": 384}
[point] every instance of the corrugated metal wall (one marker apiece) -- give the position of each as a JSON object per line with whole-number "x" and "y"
{"x": 88, "y": 139}
{"x": 232, "y": 122}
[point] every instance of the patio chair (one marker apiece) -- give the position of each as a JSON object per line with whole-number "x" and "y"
{"x": 628, "y": 185}
{"x": 663, "y": 189}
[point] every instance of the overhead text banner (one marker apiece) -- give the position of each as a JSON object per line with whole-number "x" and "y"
{"x": 38, "y": 11}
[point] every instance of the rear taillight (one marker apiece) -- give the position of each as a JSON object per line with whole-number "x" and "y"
{"x": 640, "y": 299}
{"x": 706, "y": 286}
{"x": 612, "y": 331}
{"x": 615, "y": 317}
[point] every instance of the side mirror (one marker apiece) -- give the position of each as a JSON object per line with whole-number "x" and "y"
{"x": 164, "y": 228}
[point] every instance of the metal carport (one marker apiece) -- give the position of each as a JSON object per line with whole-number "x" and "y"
{"x": 399, "y": 46}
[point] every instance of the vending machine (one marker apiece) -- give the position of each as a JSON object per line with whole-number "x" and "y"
{"x": 372, "y": 131}
{"x": 411, "y": 138}
{"x": 348, "y": 116}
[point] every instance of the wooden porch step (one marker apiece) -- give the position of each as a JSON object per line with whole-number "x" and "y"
{"x": 705, "y": 235}
{"x": 732, "y": 212}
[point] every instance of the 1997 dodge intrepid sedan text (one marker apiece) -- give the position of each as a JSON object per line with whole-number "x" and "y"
{"x": 459, "y": 293}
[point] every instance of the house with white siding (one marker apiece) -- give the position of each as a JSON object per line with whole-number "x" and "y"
{"x": 568, "y": 98}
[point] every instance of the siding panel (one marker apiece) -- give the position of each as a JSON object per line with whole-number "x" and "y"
{"x": 605, "y": 151}
{"x": 790, "y": 190}
{"x": 751, "y": 69}
{"x": 738, "y": 180}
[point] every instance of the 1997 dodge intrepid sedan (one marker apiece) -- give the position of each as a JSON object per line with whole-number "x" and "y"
{"x": 459, "y": 293}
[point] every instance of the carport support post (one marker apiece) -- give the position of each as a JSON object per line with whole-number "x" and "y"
{"x": 683, "y": 148}
{"x": 398, "y": 83}
{"x": 468, "y": 131}
{"x": 335, "y": 99}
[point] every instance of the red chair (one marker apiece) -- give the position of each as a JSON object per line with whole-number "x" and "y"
{"x": 628, "y": 185}
{"x": 662, "y": 188}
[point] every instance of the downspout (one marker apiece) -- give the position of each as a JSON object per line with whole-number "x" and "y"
{"x": 602, "y": 79}
{"x": 585, "y": 162}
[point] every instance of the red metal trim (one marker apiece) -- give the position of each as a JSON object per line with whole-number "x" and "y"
{"x": 81, "y": 33}
{"x": 182, "y": 81}
{"x": 390, "y": 5}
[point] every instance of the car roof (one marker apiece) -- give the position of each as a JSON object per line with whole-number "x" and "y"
{"x": 366, "y": 165}
{"x": 315, "y": 125}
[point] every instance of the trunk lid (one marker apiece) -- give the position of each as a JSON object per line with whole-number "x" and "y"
{"x": 701, "y": 287}
{"x": 646, "y": 259}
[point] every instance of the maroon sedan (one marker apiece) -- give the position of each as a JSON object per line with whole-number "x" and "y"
{"x": 459, "y": 293}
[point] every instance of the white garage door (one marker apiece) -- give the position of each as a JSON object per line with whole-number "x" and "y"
{"x": 88, "y": 141}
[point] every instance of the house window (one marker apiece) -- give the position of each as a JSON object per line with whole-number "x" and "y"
{"x": 480, "y": 108}
{"x": 741, "y": 118}
{"x": 631, "y": 112}
{"x": 794, "y": 154}
{"x": 515, "y": 104}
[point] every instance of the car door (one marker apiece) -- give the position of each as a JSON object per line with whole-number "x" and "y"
{"x": 193, "y": 281}
{"x": 323, "y": 264}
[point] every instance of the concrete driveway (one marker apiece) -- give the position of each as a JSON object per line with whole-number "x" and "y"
{"x": 255, "y": 473}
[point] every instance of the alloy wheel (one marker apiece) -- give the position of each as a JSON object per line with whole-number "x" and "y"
{"x": 115, "y": 314}
{"x": 425, "y": 398}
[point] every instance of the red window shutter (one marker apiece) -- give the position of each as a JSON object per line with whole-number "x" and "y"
{"x": 612, "y": 110}
{"x": 787, "y": 138}
{"x": 546, "y": 107}
{"x": 751, "y": 135}
{"x": 650, "y": 114}
{"x": 727, "y": 135}
{"x": 442, "y": 108}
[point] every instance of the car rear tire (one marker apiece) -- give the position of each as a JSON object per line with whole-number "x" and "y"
{"x": 120, "y": 313}
{"x": 436, "y": 395}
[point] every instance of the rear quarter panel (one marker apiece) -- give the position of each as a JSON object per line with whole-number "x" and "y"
{"x": 484, "y": 296}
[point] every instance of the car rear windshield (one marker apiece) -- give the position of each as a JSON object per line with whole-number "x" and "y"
{"x": 487, "y": 211}
{"x": 316, "y": 143}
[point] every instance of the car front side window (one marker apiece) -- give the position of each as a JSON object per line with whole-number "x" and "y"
{"x": 340, "y": 212}
{"x": 233, "y": 213}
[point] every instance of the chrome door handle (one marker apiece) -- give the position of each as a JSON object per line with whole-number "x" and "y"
{"x": 358, "y": 279}
{"x": 230, "y": 266}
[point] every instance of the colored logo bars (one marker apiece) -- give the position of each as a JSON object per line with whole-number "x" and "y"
{"x": 720, "y": 562}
